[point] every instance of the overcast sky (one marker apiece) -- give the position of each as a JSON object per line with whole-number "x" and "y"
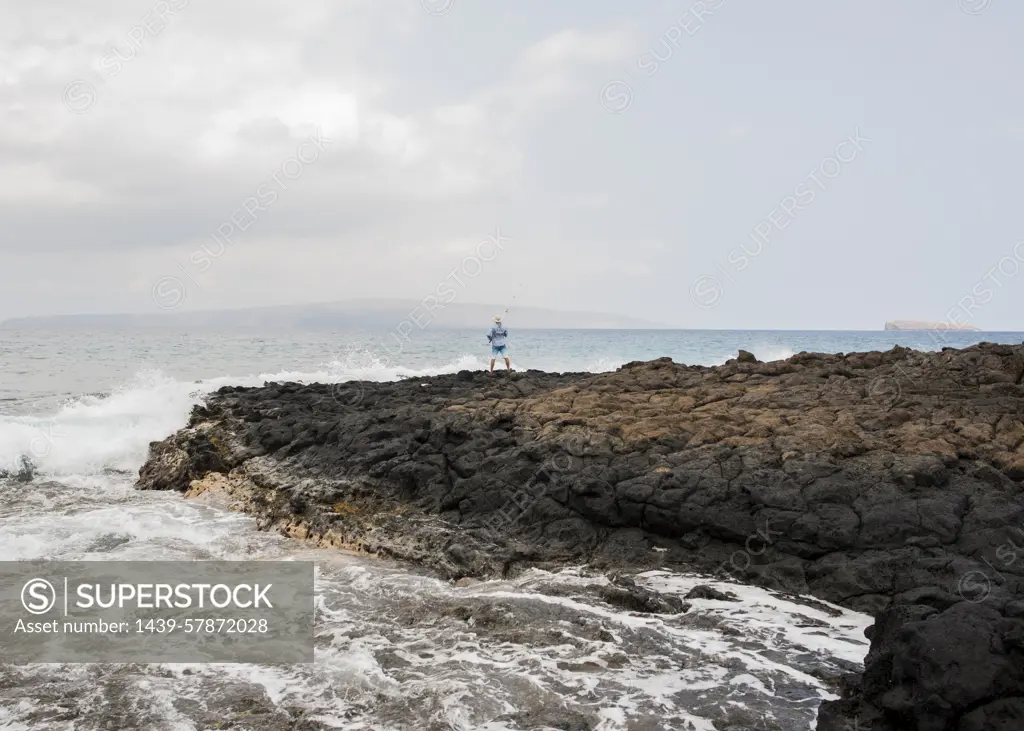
{"x": 723, "y": 163}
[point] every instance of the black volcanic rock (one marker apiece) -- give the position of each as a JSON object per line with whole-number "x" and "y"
{"x": 886, "y": 482}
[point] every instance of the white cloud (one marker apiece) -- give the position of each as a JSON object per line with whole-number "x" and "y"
{"x": 35, "y": 183}
{"x": 302, "y": 112}
{"x": 572, "y": 46}
{"x": 169, "y": 133}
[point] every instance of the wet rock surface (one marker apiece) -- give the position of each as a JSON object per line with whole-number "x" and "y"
{"x": 885, "y": 482}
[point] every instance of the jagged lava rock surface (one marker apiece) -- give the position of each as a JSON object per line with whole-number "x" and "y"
{"x": 886, "y": 482}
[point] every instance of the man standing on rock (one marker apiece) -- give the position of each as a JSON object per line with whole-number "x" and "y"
{"x": 497, "y": 337}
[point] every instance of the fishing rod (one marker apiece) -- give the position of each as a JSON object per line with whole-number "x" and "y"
{"x": 513, "y": 299}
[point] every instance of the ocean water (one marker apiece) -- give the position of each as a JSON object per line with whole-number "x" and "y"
{"x": 395, "y": 650}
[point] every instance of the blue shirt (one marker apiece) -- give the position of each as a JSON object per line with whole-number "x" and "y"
{"x": 497, "y": 336}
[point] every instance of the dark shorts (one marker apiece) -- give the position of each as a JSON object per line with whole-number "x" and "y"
{"x": 498, "y": 351}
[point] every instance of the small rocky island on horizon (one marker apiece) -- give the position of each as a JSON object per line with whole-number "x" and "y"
{"x": 927, "y": 325}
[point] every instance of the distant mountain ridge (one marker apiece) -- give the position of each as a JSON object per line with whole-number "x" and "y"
{"x": 356, "y": 313}
{"x": 926, "y": 325}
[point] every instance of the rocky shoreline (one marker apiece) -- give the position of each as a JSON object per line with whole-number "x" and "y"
{"x": 889, "y": 483}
